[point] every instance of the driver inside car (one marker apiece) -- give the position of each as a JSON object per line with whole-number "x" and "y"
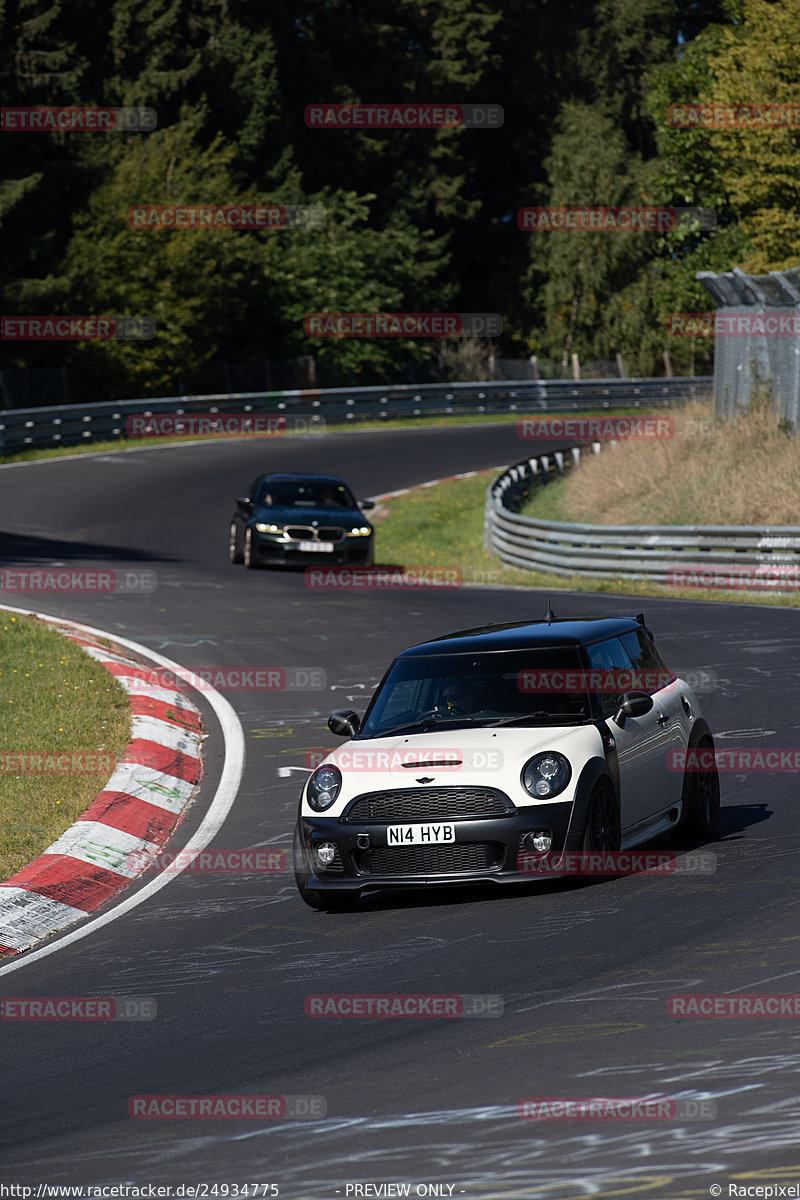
{"x": 458, "y": 698}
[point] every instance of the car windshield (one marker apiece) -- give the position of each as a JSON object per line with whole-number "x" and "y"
{"x": 305, "y": 494}
{"x": 533, "y": 686}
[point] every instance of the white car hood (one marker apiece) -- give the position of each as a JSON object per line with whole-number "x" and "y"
{"x": 474, "y": 757}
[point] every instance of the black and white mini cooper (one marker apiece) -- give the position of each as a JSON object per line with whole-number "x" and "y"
{"x": 485, "y": 749}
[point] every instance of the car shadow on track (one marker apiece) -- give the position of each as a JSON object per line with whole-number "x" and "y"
{"x": 733, "y": 821}
{"x": 26, "y": 548}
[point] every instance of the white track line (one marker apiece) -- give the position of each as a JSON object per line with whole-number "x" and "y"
{"x": 227, "y": 788}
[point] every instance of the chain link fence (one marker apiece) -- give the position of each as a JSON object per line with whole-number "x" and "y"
{"x": 757, "y": 342}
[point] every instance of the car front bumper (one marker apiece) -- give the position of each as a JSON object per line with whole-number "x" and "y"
{"x": 267, "y": 550}
{"x": 486, "y": 850}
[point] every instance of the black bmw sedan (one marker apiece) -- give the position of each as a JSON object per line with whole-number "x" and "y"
{"x": 294, "y": 518}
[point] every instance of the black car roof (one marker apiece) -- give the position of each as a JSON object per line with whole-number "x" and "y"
{"x": 519, "y": 635}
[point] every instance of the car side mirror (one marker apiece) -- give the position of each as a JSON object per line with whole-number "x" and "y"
{"x": 245, "y": 503}
{"x": 365, "y": 505}
{"x": 344, "y": 722}
{"x": 632, "y": 704}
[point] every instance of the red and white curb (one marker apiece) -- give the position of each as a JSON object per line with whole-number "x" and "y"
{"x": 125, "y": 825}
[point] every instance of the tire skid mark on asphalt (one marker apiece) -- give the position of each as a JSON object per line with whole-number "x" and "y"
{"x": 482, "y": 1156}
{"x": 488, "y": 1160}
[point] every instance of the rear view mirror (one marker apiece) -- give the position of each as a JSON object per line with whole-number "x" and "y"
{"x": 245, "y": 503}
{"x": 632, "y": 704}
{"x": 344, "y": 722}
{"x": 366, "y": 505}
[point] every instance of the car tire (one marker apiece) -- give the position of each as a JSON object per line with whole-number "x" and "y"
{"x": 248, "y": 556}
{"x": 313, "y": 897}
{"x": 701, "y": 801}
{"x": 603, "y": 834}
{"x": 234, "y": 553}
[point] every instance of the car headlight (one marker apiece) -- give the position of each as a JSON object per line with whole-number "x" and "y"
{"x": 546, "y": 775}
{"x": 262, "y": 528}
{"x": 361, "y": 531}
{"x": 324, "y": 786}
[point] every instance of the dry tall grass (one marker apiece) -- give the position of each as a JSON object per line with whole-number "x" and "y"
{"x": 739, "y": 472}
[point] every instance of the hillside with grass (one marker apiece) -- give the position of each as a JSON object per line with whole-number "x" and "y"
{"x": 740, "y": 472}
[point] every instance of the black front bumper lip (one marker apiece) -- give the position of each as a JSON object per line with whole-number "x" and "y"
{"x": 505, "y": 831}
{"x": 270, "y": 552}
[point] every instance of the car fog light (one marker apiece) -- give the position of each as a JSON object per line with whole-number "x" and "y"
{"x": 541, "y": 842}
{"x": 326, "y": 853}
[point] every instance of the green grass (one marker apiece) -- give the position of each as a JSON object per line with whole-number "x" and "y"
{"x": 54, "y": 700}
{"x": 442, "y": 526}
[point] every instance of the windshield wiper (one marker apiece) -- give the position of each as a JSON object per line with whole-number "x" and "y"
{"x": 425, "y": 723}
{"x": 559, "y": 718}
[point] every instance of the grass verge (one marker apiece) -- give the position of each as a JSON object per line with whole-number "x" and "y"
{"x": 739, "y": 472}
{"x": 442, "y": 526}
{"x": 58, "y": 704}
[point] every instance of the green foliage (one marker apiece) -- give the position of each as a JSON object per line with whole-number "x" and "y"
{"x": 416, "y": 220}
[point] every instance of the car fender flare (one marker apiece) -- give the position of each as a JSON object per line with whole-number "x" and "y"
{"x": 700, "y": 729}
{"x": 596, "y": 768}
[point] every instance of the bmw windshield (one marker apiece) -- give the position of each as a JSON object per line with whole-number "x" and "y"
{"x": 305, "y": 494}
{"x": 518, "y": 687}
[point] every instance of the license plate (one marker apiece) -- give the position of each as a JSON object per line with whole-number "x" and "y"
{"x": 420, "y": 835}
{"x": 325, "y": 547}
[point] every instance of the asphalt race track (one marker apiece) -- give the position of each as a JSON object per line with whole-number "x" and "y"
{"x": 584, "y": 971}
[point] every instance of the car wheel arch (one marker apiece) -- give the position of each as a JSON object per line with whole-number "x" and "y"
{"x": 593, "y": 771}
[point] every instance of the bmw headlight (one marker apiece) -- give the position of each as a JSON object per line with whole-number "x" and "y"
{"x": 360, "y": 531}
{"x": 262, "y": 528}
{"x": 546, "y": 775}
{"x": 324, "y": 786}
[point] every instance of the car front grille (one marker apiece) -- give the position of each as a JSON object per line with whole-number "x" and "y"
{"x": 331, "y": 533}
{"x": 309, "y": 533}
{"x": 431, "y": 860}
{"x": 432, "y": 803}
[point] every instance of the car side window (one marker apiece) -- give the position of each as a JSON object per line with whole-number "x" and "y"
{"x": 606, "y": 657}
{"x": 646, "y": 659}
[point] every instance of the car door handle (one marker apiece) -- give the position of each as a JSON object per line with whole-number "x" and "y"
{"x": 662, "y": 719}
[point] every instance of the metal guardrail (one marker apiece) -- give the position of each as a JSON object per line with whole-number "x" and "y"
{"x": 661, "y": 553}
{"x": 69, "y": 425}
